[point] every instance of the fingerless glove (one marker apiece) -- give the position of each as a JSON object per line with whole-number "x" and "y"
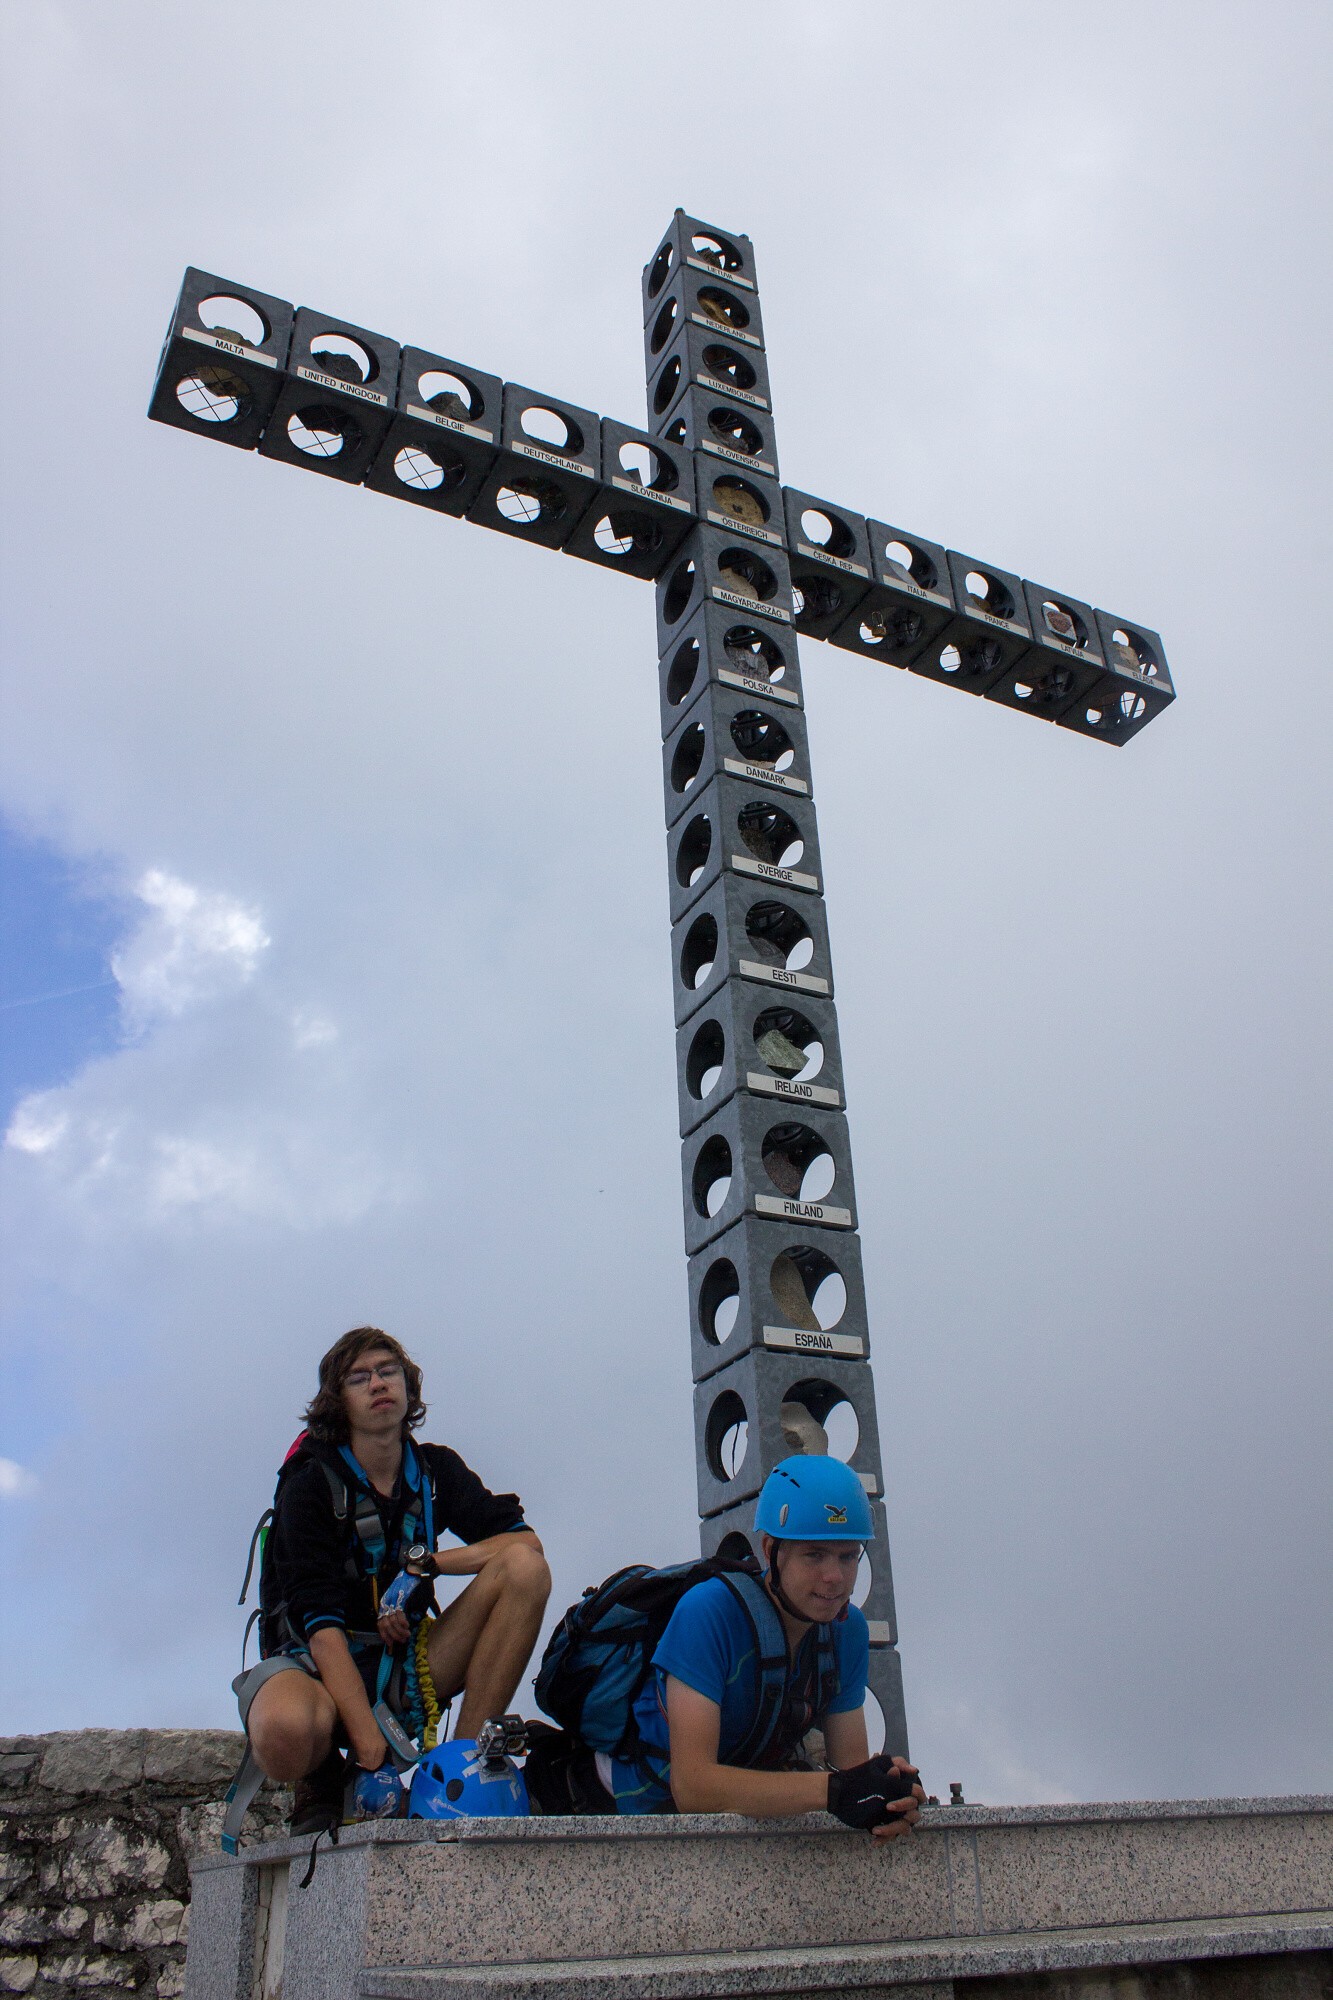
{"x": 862, "y": 1795}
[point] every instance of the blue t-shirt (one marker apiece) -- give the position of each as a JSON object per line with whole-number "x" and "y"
{"x": 709, "y": 1645}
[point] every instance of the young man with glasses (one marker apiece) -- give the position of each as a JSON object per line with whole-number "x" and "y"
{"x": 356, "y": 1492}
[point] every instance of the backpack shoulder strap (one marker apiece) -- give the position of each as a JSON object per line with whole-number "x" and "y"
{"x": 773, "y": 1665}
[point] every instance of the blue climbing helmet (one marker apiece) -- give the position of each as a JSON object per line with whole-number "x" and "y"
{"x": 814, "y": 1499}
{"x": 453, "y": 1782}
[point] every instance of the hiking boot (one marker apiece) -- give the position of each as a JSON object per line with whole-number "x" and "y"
{"x": 317, "y": 1799}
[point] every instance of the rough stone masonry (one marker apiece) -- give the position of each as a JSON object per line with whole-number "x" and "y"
{"x": 97, "y": 1831}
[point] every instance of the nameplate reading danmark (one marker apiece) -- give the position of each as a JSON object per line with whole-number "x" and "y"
{"x": 730, "y": 389}
{"x": 760, "y": 774}
{"x": 803, "y": 1211}
{"x": 730, "y": 332}
{"x": 236, "y": 347}
{"x": 552, "y": 458}
{"x": 444, "y": 423}
{"x": 755, "y": 604}
{"x": 799, "y": 1340}
{"x": 756, "y": 533}
{"x": 796, "y": 1093}
{"x": 768, "y": 871}
{"x": 643, "y": 492}
{"x": 838, "y": 562}
{"x": 753, "y": 685}
{"x": 723, "y": 277}
{"x": 344, "y": 388}
{"x": 776, "y": 975}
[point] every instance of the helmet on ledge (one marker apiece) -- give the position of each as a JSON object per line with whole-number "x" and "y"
{"x": 814, "y": 1499}
{"x": 452, "y": 1782}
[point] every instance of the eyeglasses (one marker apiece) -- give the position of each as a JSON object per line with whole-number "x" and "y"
{"x": 385, "y": 1371}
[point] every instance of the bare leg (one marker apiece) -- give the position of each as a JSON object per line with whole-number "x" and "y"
{"x": 484, "y": 1640}
{"x": 292, "y": 1720}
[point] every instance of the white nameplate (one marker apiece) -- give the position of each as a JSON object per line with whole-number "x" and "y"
{"x": 753, "y": 685}
{"x": 782, "y": 1086}
{"x": 869, "y": 1481}
{"x": 803, "y": 1211}
{"x": 1071, "y": 649}
{"x": 739, "y": 457}
{"x": 891, "y": 576}
{"x": 758, "y": 605}
{"x": 746, "y": 864}
{"x": 724, "y": 330}
{"x": 236, "y": 347}
{"x": 760, "y": 774}
{"x": 723, "y": 277}
{"x": 344, "y": 388}
{"x": 730, "y": 389}
{"x": 777, "y": 975}
{"x": 881, "y": 1632}
{"x": 745, "y": 528}
{"x": 838, "y": 562}
{"x": 450, "y": 423}
{"x": 797, "y": 1340}
{"x": 642, "y": 492}
{"x": 552, "y": 458}
{"x": 1003, "y": 624}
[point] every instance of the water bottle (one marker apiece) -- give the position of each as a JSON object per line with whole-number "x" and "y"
{"x": 379, "y": 1794}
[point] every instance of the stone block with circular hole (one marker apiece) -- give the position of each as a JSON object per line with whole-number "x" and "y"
{"x": 781, "y": 1162}
{"x": 776, "y": 1046}
{"x": 218, "y": 377}
{"x": 445, "y": 433}
{"x": 1064, "y": 661}
{"x": 646, "y": 506}
{"x": 909, "y": 602}
{"x": 724, "y": 646}
{"x": 718, "y": 566}
{"x": 336, "y": 399}
{"x": 714, "y": 362}
{"x": 726, "y": 733}
{"x": 1135, "y": 687}
{"x": 780, "y": 1287}
{"x": 742, "y": 503}
{"x": 829, "y": 551}
{"x": 743, "y": 830}
{"x": 549, "y": 470}
{"x": 988, "y": 636}
{"x": 696, "y": 246}
{"x": 705, "y": 300}
{"x": 766, "y": 936}
{"x": 739, "y": 1432}
{"x": 731, "y": 432}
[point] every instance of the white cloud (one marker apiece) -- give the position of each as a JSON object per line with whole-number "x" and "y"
{"x": 311, "y": 1031}
{"x": 35, "y": 1128}
{"x": 16, "y": 1482}
{"x": 192, "y": 946}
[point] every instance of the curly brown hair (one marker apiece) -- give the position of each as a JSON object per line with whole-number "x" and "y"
{"x": 326, "y": 1416}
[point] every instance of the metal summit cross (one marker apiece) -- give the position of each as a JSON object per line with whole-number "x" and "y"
{"x": 778, "y": 1329}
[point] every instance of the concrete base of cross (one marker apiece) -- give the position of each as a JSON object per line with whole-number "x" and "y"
{"x": 1235, "y": 1894}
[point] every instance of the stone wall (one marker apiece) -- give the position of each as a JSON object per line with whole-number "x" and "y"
{"x": 97, "y": 1831}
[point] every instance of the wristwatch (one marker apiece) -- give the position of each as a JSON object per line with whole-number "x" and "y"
{"x": 420, "y": 1560}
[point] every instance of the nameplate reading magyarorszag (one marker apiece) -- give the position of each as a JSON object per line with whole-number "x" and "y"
{"x": 356, "y": 389}
{"x": 552, "y": 458}
{"x": 745, "y": 864}
{"x": 753, "y": 685}
{"x": 775, "y": 975}
{"x": 236, "y": 347}
{"x": 450, "y": 423}
{"x": 757, "y": 605}
{"x": 798, "y": 1093}
{"x": 797, "y": 1340}
{"x": 760, "y": 774}
{"x": 803, "y": 1211}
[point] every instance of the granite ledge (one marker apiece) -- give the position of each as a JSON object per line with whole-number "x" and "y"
{"x": 867, "y": 1969}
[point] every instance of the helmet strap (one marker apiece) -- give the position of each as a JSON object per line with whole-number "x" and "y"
{"x": 775, "y": 1585}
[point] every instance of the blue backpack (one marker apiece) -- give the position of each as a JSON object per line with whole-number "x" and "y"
{"x": 601, "y": 1654}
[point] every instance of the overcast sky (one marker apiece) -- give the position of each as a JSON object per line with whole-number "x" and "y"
{"x": 345, "y": 822}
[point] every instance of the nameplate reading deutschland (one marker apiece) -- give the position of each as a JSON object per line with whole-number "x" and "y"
{"x": 552, "y": 458}
{"x": 803, "y": 1211}
{"x": 450, "y": 423}
{"x": 760, "y": 774}
{"x": 768, "y": 871}
{"x": 236, "y": 347}
{"x": 798, "y": 1340}
{"x": 344, "y": 388}
{"x": 776, "y": 975}
{"x": 798, "y": 1093}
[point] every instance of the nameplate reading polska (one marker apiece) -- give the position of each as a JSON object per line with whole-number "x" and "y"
{"x": 729, "y": 389}
{"x": 776, "y": 975}
{"x": 444, "y": 423}
{"x": 762, "y": 774}
{"x": 357, "y": 389}
{"x": 552, "y": 458}
{"x": 642, "y": 492}
{"x": 758, "y": 605}
{"x": 803, "y": 1211}
{"x": 751, "y": 684}
{"x": 768, "y": 871}
{"x": 796, "y": 1093}
{"x": 223, "y": 346}
{"x": 801, "y": 1340}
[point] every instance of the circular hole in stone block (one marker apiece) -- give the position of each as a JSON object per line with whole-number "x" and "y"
{"x": 896, "y": 626}
{"x": 710, "y": 1182}
{"x": 1131, "y": 652}
{"x": 722, "y": 307}
{"x": 321, "y": 432}
{"x": 552, "y": 428}
{"x": 688, "y": 756}
{"x": 526, "y": 503}
{"x": 719, "y": 1301}
{"x": 621, "y": 535}
{"x": 875, "y": 1730}
{"x": 912, "y": 564}
{"x": 771, "y": 834}
{"x": 745, "y": 572}
{"x": 1063, "y": 622}
{"x": 698, "y": 953}
{"x": 682, "y": 672}
{"x": 666, "y": 385}
{"x": 663, "y": 326}
{"x": 865, "y": 1577}
{"x": 821, "y": 597}
{"x": 653, "y": 470}
{"x": 692, "y": 854}
{"x": 754, "y": 653}
{"x": 1023, "y": 690}
{"x": 829, "y": 1406}
{"x": 703, "y": 1064}
{"x": 950, "y": 660}
{"x": 449, "y": 394}
{"x": 233, "y": 319}
{"x": 661, "y": 269}
{"x": 729, "y": 365}
{"x": 787, "y": 1045}
{"x": 735, "y": 1547}
{"x": 826, "y": 531}
{"x": 213, "y": 395}
{"x": 989, "y": 592}
{"x": 710, "y": 248}
{"x": 809, "y": 1290}
{"x": 739, "y": 500}
{"x": 798, "y": 1162}
{"x": 338, "y": 354}
{"x": 425, "y": 471}
{"x": 779, "y": 936}
{"x": 761, "y": 739}
{"x": 680, "y": 589}
{"x": 726, "y": 1435}
{"x": 735, "y": 431}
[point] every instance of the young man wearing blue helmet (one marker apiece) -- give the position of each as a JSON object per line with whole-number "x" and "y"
{"x": 695, "y": 1715}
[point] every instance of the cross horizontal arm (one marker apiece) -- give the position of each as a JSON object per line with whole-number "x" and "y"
{"x": 314, "y": 390}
